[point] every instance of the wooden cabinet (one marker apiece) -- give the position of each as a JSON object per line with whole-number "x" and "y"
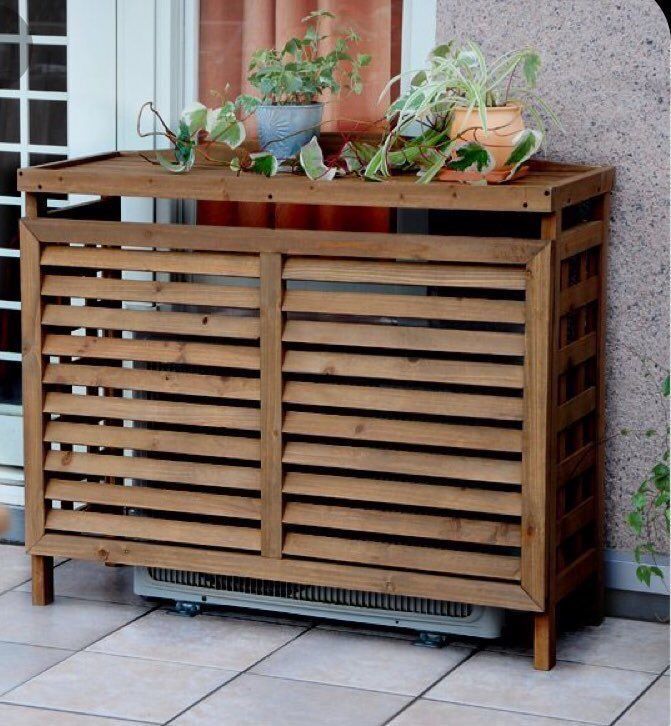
{"x": 410, "y": 414}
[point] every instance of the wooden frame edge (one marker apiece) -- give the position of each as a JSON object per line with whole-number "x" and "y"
{"x": 130, "y": 552}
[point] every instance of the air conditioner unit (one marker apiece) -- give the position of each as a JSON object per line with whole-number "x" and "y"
{"x": 335, "y": 603}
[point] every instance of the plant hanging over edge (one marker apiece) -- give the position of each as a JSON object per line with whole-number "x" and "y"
{"x": 197, "y": 124}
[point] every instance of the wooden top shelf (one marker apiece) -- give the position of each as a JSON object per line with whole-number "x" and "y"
{"x": 548, "y": 187}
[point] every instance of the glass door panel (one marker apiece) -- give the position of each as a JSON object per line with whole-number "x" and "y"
{"x": 33, "y": 129}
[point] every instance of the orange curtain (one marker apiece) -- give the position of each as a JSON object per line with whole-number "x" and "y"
{"x": 231, "y": 30}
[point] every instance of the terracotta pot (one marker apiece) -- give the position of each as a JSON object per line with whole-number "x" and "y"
{"x": 503, "y": 124}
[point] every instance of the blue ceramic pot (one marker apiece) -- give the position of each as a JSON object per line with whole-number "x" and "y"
{"x": 284, "y": 129}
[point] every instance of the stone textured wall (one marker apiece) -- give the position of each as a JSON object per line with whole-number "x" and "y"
{"x": 606, "y": 72}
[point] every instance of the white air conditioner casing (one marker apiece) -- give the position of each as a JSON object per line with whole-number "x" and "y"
{"x": 333, "y": 603}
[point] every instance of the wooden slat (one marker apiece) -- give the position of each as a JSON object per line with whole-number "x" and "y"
{"x": 403, "y": 462}
{"x": 536, "y": 459}
{"x": 32, "y": 367}
{"x": 578, "y": 295}
{"x": 398, "y": 400}
{"x": 576, "y": 519}
{"x": 402, "y": 524}
{"x": 187, "y": 293}
{"x": 576, "y": 573}
{"x": 159, "y": 530}
{"x": 576, "y": 464}
{"x": 146, "y": 321}
{"x": 138, "y": 379}
{"x": 136, "y": 467}
{"x": 271, "y": 405}
{"x": 404, "y": 369}
{"x": 405, "y": 306}
{"x": 153, "y": 351}
{"x": 576, "y": 353}
{"x": 397, "y": 492}
{"x": 575, "y": 409}
{"x": 154, "y": 261}
{"x": 138, "y": 409}
{"x": 494, "y": 250}
{"x": 369, "y": 579}
{"x": 404, "y": 337}
{"x": 579, "y": 239}
{"x": 404, "y": 273}
{"x": 363, "y": 428}
{"x": 382, "y": 554}
{"x": 144, "y": 439}
{"x": 161, "y": 500}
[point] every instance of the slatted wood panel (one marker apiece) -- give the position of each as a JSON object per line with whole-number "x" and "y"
{"x": 579, "y": 425}
{"x": 350, "y": 413}
{"x": 151, "y": 393}
{"x": 403, "y": 414}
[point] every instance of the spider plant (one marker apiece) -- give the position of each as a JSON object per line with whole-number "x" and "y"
{"x": 459, "y": 78}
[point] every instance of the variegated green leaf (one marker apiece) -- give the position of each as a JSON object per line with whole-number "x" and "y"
{"x": 357, "y": 155}
{"x": 264, "y": 163}
{"x": 312, "y": 161}
{"x": 194, "y": 116}
{"x": 527, "y": 143}
{"x": 471, "y": 156}
{"x": 177, "y": 167}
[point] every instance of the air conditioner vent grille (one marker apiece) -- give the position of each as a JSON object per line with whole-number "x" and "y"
{"x": 311, "y": 593}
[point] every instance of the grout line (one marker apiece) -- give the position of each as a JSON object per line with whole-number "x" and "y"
{"x": 499, "y": 709}
{"x": 637, "y": 699}
{"x": 430, "y": 686}
{"x": 49, "y": 709}
{"x": 240, "y": 673}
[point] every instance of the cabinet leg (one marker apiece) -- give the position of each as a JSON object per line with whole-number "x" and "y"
{"x": 545, "y": 640}
{"x": 43, "y": 579}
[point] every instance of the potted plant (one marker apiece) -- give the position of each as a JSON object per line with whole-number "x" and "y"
{"x": 465, "y": 114}
{"x": 292, "y": 80}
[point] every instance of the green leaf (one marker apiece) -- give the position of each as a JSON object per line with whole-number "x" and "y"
{"x": 527, "y": 143}
{"x": 180, "y": 166}
{"x": 635, "y": 520}
{"x": 643, "y": 574}
{"x": 530, "y": 68}
{"x": 194, "y": 116}
{"x": 312, "y": 161}
{"x": 247, "y": 103}
{"x": 471, "y": 156}
{"x": 264, "y": 163}
{"x": 364, "y": 59}
{"x": 442, "y": 51}
{"x": 357, "y": 155}
{"x": 666, "y": 386}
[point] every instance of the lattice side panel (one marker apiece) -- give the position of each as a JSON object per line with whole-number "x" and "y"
{"x": 151, "y": 392}
{"x": 403, "y": 415}
{"x": 577, "y": 411}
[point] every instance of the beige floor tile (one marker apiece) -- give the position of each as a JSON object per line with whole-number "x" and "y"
{"x": 131, "y": 688}
{"x": 619, "y": 643}
{"x": 255, "y": 700}
{"x": 20, "y": 662}
{"x": 67, "y": 623}
{"x": 434, "y": 713}
{"x": 206, "y": 640}
{"x": 361, "y": 661}
{"x": 570, "y": 691}
{"x": 652, "y": 709}
{"x": 14, "y": 566}
{"x": 27, "y": 716}
{"x": 94, "y": 581}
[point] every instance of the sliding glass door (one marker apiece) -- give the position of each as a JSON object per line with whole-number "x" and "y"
{"x": 33, "y": 130}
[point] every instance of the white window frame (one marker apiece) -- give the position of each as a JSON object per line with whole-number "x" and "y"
{"x": 147, "y": 49}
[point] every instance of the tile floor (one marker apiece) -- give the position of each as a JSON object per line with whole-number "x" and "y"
{"x": 101, "y": 656}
